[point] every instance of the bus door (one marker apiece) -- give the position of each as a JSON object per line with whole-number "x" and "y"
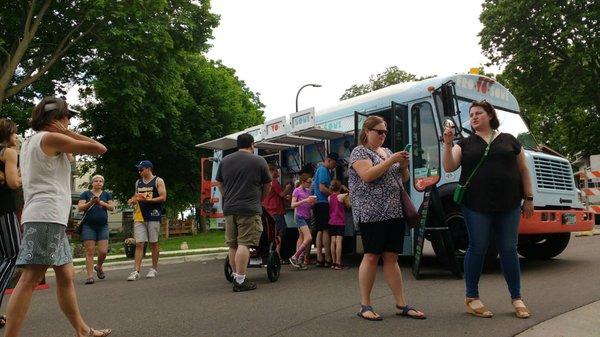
{"x": 395, "y": 117}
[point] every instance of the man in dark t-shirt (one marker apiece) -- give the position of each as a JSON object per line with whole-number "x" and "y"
{"x": 243, "y": 179}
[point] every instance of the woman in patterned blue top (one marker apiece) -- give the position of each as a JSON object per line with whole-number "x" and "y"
{"x": 375, "y": 178}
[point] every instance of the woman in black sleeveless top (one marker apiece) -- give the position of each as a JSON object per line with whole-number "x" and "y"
{"x": 10, "y": 180}
{"x": 492, "y": 201}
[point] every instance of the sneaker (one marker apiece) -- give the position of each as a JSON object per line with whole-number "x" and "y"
{"x": 302, "y": 266}
{"x": 152, "y": 273}
{"x": 134, "y": 276}
{"x": 294, "y": 262}
{"x": 244, "y": 286}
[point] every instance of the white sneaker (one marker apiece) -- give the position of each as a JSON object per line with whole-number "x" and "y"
{"x": 152, "y": 273}
{"x": 134, "y": 276}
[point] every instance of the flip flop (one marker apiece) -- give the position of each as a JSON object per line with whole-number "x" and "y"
{"x": 99, "y": 272}
{"x": 405, "y": 309}
{"x": 104, "y": 332}
{"x": 367, "y": 308}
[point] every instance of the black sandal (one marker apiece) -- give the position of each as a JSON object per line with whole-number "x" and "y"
{"x": 405, "y": 309}
{"x": 99, "y": 272}
{"x": 367, "y": 308}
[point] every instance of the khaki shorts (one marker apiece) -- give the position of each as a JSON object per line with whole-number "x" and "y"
{"x": 243, "y": 230}
{"x": 147, "y": 231}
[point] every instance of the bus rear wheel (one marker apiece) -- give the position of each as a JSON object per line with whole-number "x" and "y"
{"x": 543, "y": 246}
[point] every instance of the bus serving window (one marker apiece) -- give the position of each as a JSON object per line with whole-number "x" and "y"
{"x": 425, "y": 150}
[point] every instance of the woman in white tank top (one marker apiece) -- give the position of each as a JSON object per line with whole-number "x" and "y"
{"x": 46, "y": 175}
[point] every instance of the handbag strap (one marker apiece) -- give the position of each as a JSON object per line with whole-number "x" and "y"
{"x": 485, "y": 153}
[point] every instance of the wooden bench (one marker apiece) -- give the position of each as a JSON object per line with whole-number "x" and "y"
{"x": 177, "y": 227}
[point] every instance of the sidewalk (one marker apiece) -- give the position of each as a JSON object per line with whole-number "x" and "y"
{"x": 581, "y": 322}
{"x": 168, "y": 257}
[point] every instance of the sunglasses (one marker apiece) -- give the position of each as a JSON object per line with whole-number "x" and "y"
{"x": 140, "y": 170}
{"x": 380, "y": 132}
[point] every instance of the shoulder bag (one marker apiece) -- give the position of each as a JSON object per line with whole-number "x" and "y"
{"x": 459, "y": 192}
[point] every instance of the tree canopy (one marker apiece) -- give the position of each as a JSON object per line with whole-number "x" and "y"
{"x": 550, "y": 51}
{"x": 147, "y": 91}
{"x": 392, "y": 75}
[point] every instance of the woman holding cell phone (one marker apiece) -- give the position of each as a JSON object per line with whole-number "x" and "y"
{"x": 495, "y": 180}
{"x": 94, "y": 226}
{"x": 375, "y": 180}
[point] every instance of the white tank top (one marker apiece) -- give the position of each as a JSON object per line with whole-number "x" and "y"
{"x": 46, "y": 183}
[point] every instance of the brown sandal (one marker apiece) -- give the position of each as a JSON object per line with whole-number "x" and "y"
{"x": 479, "y": 310}
{"x": 104, "y": 332}
{"x": 521, "y": 310}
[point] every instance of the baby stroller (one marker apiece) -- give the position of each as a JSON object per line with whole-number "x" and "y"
{"x": 264, "y": 255}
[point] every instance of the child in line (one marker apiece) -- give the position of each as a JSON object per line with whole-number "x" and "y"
{"x": 302, "y": 202}
{"x": 337, "y": 223}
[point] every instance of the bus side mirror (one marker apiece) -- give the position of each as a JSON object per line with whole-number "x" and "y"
{"x": 447, "y": 94}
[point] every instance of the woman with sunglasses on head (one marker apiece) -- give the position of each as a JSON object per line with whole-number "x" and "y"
{"x": 10, "y": 180}
{"x": 497, "y": 180}
{"x": 46, "y": 175}
{"x": 94, "y": 225}
{"x": 375, "y": 178}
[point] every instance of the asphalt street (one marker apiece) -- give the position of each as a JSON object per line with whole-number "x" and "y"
{"x": 194, "y": 299}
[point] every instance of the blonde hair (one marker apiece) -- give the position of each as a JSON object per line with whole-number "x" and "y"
{"x": 97, "y": 176}
{"x": 369, "y": 124}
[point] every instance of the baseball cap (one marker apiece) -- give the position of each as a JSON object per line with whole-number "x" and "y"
{"x": 144, "y": 164}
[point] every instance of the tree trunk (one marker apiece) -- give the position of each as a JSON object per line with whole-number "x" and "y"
{"x": 201, "y": 221}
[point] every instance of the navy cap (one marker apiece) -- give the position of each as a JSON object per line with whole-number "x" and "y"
{"x": 144, "y": 164}
{"x": 335, "y": 157}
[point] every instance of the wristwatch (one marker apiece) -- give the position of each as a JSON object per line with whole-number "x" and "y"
{"x": 529, "y": 198}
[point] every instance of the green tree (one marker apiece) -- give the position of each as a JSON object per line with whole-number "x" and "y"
{"x": 550, "y": 51}
{"x": 392, "y": 75}
{"x": 161, "y": 116}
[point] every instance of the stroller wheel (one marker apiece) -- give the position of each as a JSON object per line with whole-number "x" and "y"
{"x": 227, "y": 269}
{"x": 273, "y": 266}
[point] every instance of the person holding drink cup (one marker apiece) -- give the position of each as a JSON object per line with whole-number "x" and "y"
{"x": 494, "y": 181}
{"x": 302, "y": 202}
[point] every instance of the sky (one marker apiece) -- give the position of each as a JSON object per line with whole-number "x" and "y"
{"x": 276, "y": 46}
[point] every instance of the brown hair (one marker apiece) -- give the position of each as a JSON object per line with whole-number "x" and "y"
{"x": 304, "y": 177}
{"x": 50, "y": 109}
{"x": 489, "y": 109}
{"x": 336, "y": 185}
{"x": 369, "y": 124}
{"x": 272, "y": 167}
{"x": 7, "y": 128}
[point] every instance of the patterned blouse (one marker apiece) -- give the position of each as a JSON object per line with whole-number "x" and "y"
{"x": 380, "y": 199}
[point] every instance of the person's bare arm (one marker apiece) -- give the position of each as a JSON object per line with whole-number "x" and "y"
{"x": 162, "y": 192}
{"x": 526, "y": 182}
{"x": 110, "y": 205}
{"x": 11, "y": 172}
{"x": 62, "y": 140}
{"x": 286, "y": 191}
{"x": 451, "y": 155}
{"x": 324, "y": 189}
{"x": 220, "y": 187}
{"x": 368, "y": 173}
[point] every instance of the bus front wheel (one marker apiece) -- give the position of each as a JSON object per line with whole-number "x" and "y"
{"x": 543, "y": 246}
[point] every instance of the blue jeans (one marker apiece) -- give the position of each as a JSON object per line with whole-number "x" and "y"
{"x": 505, "y": 226}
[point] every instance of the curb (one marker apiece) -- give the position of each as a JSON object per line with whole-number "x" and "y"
{"x": 147, "y": 262}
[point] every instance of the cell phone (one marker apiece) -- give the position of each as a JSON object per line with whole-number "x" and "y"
{"x": 407, "y": 147}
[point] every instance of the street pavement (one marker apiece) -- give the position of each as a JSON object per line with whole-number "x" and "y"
{"x": 194, "y": 299}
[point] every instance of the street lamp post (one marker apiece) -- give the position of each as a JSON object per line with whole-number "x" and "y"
{"x": 302, "y": 87}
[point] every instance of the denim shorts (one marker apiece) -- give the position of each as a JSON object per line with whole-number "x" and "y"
{"x": 301, "y": 221}
{"x": 95, "y": 233}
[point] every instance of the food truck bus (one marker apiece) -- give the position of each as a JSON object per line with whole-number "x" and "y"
{"x": 415, "y": 113}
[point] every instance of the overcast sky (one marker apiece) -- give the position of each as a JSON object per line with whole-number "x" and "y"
{"x": 276, "y": 46}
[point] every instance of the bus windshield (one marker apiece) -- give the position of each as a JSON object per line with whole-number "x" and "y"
{"x": 509, "y": 123}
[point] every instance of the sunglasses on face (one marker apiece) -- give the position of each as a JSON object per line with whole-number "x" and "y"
{"x": 380, "y": 132}
{"x": 141, "y": 170}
